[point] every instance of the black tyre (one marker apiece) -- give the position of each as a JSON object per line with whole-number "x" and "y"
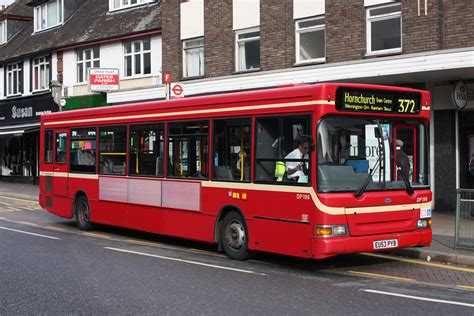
{"x": 83, "y": 213}
{"x": 234, "y": 236}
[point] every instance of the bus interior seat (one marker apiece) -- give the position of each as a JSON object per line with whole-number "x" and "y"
{"x": 360, "y": 166}
{"x": 223, "y": 173}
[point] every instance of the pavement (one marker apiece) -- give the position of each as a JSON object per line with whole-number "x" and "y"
{"x": 442, "y": 248}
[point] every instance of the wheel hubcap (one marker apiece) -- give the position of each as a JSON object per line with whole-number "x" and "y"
{"x": 235, "y": 235}
{"x": 84, "y": 213}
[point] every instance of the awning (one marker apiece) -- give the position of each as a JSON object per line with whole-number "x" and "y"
{"x": 18, "y": 130}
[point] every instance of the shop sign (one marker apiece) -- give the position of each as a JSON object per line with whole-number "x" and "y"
{"x": 26, "y": 110}
{"x": 103, "y": 79}
{"x": 460, "y": 95}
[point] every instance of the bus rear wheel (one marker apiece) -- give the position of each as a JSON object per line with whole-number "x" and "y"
{"x": 234, "y": 236}
{"x": 83, "y": 213}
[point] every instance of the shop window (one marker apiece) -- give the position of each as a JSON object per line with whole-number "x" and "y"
{"x": 193, "y": 54}
{"x": 283, "y": 149}
{"x": 232, "y": 147}
{"x": 310, "y": 40}
{"x": 14, "y": 79}
{"x": 384, "y": 29}
{"x": 48, "y": 15}
{"x": 48, "y": 146}
{"x": 123, "y": 4}
{"x": 83, "y": 150}
{"x": 188, "y": 149}
{"x": 113, "y": 150}
{"x": 137, "y": 55}
{"x": 61, "y": 145}
{"x": 147, "y": 150}
{"x": 41, "y": 73}
{"x": 86, "y": 58}
{"x": 248, "y": 50}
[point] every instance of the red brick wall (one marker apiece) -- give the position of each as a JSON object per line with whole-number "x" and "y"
{"x": 171, "y": 45}
{"x": 457, "y": 23}
{"x": 345, "y": 30}
{"x": 218, "y": 38}
{"x": 277, "y": 34}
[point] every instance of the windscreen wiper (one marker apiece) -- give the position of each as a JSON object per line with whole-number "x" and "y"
{"x": 381, "y": 158}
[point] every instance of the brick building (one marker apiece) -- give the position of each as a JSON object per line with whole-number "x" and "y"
{"x": 215, "y": 46}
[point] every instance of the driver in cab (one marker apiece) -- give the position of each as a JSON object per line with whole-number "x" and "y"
{"x": 296, "y": 170}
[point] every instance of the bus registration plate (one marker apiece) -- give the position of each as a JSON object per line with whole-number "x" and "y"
{"x": 383, "y": 244}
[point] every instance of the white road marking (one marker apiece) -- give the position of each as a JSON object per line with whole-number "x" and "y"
{"x": 420, "y": 298}
{"x": 185, "y": 261}
{"x": 28, "y": 233}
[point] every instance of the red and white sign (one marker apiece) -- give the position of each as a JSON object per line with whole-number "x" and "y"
{"x": 177, "y": 91}
{"x": 167, "y": 78}
{"x": 103, "y": 79}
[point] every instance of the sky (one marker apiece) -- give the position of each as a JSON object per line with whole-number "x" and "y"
{"x": 3, "y": 2}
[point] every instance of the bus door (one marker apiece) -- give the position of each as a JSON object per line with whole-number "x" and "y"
{"x": 60, "y": 164}
{"x": 404, "y": 152}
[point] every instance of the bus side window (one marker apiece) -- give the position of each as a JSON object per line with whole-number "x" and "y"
{"x": 48, "y": 146}
{"x": 231, "y": 157}
{"x": 188, "y": 149}
{"x": 147, "y": 150}
{"x": 113, "y": 150}
{"x": 283, "y": 150}
{"x": 83, "y": 149}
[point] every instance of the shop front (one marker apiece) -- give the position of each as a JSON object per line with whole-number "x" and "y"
{"x": 19, "y": 136}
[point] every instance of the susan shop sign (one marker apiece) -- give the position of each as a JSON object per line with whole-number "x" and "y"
{"x": 103, "y": 79}
{"x": 26, "y": 109}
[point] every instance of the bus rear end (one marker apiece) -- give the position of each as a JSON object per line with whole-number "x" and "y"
{"x": 372, "y": 171}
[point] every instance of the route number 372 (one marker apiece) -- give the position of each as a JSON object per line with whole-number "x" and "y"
{"x": 406, "y": 106}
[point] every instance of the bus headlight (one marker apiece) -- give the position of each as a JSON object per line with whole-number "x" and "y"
{"x": 331, "y": 230}
{"x": 424, "y": 223}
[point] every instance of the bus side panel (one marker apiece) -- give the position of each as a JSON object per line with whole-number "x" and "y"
{"x": 89, "y": 186}
{"x": 190, "y": 224}
{"x": 146, "y": 218}
{"x": 62, "y": 206}
{"x": 109, "y": 213}
{"x": 287, "y": 238}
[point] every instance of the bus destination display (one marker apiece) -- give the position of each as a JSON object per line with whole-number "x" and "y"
{"x": 378, "y": 101}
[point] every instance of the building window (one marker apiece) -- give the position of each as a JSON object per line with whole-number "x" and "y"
{"x": 113, "y": 150}
{"x": 48, "y": 15}
{"x": 248, "y": 50}
{"x": 3, "y": 32}
{"x": 193, "y": 54}
{"x": 41, "y": 73}
{"x": 137, "y": 57}
{"x": 310, "y": 40}
{"x": 86, "y": 58}
{"x": 14, "y": 79}
{"x": 384, "y": 29}
{"x": 122, "y": 4}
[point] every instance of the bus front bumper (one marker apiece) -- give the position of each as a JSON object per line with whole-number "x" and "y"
{"x": 331, "y": 246}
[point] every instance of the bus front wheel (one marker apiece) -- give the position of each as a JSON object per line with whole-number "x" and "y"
{"x": 234, "y": 236}
{"x": 83, "y": 213}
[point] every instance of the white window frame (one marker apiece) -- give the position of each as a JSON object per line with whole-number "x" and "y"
{"x": 3, "y": 33}
{"x": 142, "y": 53}
{"x": 11, "y": 69}
{"x": 84, "y": 61}
{"x": 38, "y": 12}
{"x": 42, "y": 77}
{"x": 383, "y": 17}
{"x": 185, "y": 61}
{"x": 125, "y": 4}
{"x": 299, "y": 31}
{"x": 237, "y": 42}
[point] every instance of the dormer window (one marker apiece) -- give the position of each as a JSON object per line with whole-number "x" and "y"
{"x": 115, "y": 5}
{"x": 48, "y": 15}
{"x": 3, "y": 32}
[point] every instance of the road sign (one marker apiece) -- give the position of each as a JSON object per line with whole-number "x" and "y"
{"x": 167, "y": 78}
{"x": 177, "y": 91}
{"x": 103, "y": 79}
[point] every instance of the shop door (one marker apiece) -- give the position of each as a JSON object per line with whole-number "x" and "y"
{"x": 60, "y": 163}
{"x": 405, "y": 155}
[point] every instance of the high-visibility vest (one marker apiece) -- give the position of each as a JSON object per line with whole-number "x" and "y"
{"x": 280, "y": 168}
